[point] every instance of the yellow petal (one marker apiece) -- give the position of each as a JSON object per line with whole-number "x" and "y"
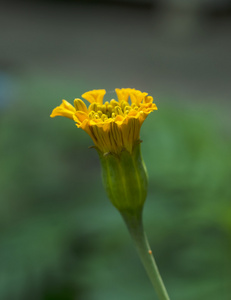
{"x": 80, "y": 116}
{"x": 131, "y": 132}
{"x": 64, "y": 110}
{"x": 123, "y": 94}
{"x": 84, "y": 125}
{"x": 94, "y": 96}
{"x": 137, "y": 96}
{"x": 148, "y": 99}
{"x": 119, "y": 119}
{"x": 133, "y": 113}
{"x": 80, "y": 105}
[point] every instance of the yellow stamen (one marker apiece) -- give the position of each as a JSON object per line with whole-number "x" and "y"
{"x": 93, "y": 107}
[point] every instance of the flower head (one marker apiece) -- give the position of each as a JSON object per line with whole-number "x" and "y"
{"x": 113, "y": 126}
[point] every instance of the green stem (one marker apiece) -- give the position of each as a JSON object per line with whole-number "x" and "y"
{"x": 135, "y": 227}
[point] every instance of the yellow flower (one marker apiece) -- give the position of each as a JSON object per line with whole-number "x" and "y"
{"x": 113, "y": 126}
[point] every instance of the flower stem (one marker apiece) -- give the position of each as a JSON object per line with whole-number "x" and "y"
{"x": 135, "y": 227}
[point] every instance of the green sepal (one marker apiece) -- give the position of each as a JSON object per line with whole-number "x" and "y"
{"x": 125, "y": 179}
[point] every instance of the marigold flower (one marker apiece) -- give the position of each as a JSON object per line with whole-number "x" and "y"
{"x": 113, "y": 126}
{"x": 115, "y": 130}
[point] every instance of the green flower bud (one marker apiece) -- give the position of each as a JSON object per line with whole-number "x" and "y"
{"x": 125, "y": 179}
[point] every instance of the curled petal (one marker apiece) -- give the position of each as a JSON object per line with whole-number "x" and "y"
{"x": 64, "y": 110}
{"x": 94, "y": 96}
{"x": 123, "y": 94}
{"x": 137, "y": 97}
{"x": 148, "y": 99}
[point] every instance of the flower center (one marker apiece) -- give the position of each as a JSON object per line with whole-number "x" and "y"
{"x": 110, "y": 110}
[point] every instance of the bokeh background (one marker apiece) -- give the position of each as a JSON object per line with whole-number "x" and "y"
{"x": 60, "y": 238}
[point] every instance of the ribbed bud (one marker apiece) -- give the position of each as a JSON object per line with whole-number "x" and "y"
{"x": 125, "y": 179}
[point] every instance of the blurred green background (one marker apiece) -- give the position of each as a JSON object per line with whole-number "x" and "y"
{"x": 60, "y": 237}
